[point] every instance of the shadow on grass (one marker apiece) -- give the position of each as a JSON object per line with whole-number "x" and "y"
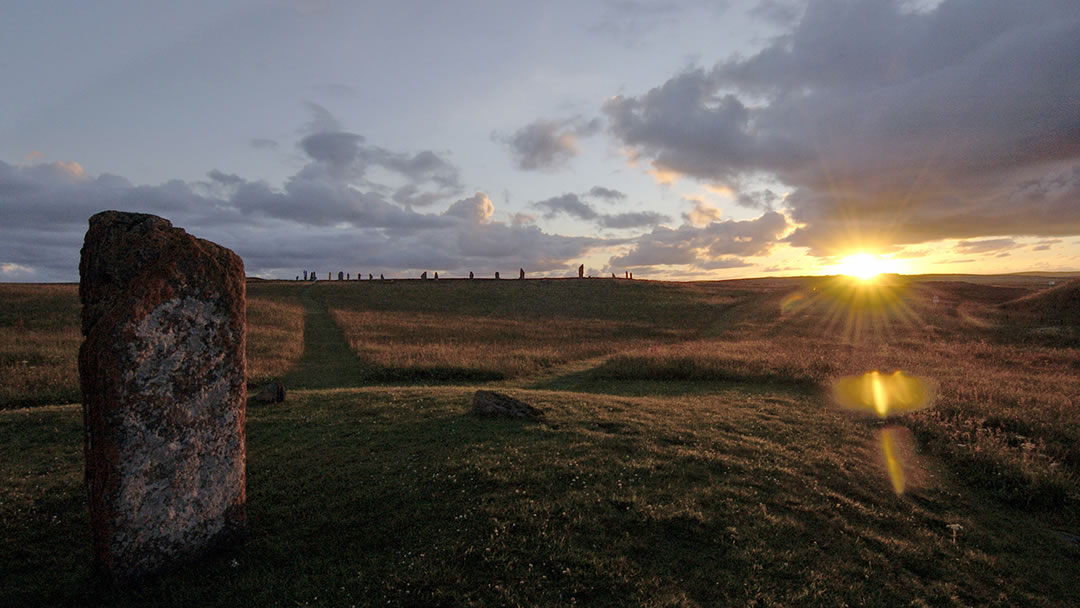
{"x": 603, "y": 380}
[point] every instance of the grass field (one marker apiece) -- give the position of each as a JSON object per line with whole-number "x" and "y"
{"x": 689, "y": 457}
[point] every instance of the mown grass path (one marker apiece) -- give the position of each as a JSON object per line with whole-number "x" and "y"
{"x": 327, "y": 362}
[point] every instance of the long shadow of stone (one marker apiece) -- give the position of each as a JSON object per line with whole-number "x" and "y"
{"x": 594, "y": 381}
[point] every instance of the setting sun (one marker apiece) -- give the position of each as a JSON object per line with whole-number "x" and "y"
{"x": 863, "y": 266}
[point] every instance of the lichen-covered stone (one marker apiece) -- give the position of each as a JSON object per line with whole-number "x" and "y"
{"x": 490, "y": 403}
{"x": 162, "y": 373}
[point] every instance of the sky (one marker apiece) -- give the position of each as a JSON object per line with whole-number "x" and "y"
{"x": 675, "y": 139}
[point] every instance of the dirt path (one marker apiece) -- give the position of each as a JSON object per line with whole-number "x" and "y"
{"x": 327, "y": 362}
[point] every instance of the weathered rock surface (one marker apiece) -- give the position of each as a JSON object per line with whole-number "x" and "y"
{"x": 490, "y": 403}
{"x": 273, "y": 392}
{"x": 162, "y": 373}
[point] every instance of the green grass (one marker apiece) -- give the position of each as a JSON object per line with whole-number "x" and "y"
{"x": 689, "y": 456}
{"x": 399, "y": 497}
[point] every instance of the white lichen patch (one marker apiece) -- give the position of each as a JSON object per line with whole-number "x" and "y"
{"x": 181, "y": 463}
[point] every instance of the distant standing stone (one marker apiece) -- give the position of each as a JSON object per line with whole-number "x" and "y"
{"x": 273, "y": 392}
{"x": 613, "y": 275}
{"x": 162, "y": 373}
{"x": 340, "y": 276}
{"x": 581, "y": 271}
{"x": 436, "y": 276}
{"x": 305, "y": 275}
{"x": 382, "y": 278}
{"x": 370, "y": 277}
{"x": 490, "y": 403}
{"x": 522, "y": 275}
{"x": 496, "y": 274}
{"x": 470, "y": 274}
{"x": 423, "y": 275}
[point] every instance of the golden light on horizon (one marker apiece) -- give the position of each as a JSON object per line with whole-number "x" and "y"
{"x": 864, "y": 266}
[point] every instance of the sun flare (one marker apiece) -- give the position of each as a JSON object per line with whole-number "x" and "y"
{"x": 864, "y": 266}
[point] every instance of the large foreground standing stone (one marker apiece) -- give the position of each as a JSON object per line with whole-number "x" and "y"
{"x": 162, "y": 373}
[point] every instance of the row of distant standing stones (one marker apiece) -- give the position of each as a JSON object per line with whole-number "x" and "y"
{"x": 164, "y": 394}
{"x": 347, "y": 276}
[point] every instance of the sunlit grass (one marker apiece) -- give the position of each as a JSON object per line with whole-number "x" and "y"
{"x": 275, "y": 338}
{"x": 39, "y": 344}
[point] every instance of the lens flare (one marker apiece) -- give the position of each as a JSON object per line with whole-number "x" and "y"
{"x": 893, "y": 463}
{"x": 883, "y": 395}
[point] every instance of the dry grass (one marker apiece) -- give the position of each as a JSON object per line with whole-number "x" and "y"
{"x": 1007, "y": 413}
{"x": 418, "y": 345}
{"x": 39, "y": 344}
{"x": 275, "y": 337}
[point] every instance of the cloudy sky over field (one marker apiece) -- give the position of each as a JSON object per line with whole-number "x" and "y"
{"x": 672, "y": 138}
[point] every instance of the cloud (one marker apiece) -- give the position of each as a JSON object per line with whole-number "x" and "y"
{"x": 984, "y": 246}
{"x": 225, "y": 179}
{"x": 427, "y": 177}
{"x": 547, "y": 144}
{"x": 702, "y": 213}
{"x": 889, "y": 125}
{"x": 717, "y": 245}
{"x": 606, "y": 193}
{"x": 572, "y": 205}
{"x": 313, "y": 221}
{"x": 476, "y": 209}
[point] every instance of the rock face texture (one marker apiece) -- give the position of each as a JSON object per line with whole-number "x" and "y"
{"x": 490, "y": 403}
{"x": 162, "y": 373}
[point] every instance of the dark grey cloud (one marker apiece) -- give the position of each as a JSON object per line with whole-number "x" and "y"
{"x": 226, "y": 179}
{"x": 765, "y": 200}
{"x": 572, "y": 205}
{"x": 548, "y": 144}
{"x": 427, "y": 177}
{"x": 889, "y": 125}
{"x": 607, "y": 194}
{"x": 316, "y": 220}
{"x": 721, "y": 244}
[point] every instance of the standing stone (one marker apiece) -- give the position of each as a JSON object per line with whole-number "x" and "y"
{"x": 370, "y": 277}
{"x": 162, "y": 373}
{"x": 297, "y": 277}
{"x": 381, "y": 277}
{"x": 340, "y": 276}
{"x": 305, "y": 275}
{"x": 436, "y": 275}
{"x": 348, "y": 277}
{"x": 631, "y": 275}
{"x": 470, "y": 274}
{"x": 423, "y": 275}
{"x": 613, "y": 275}
{"x": 581, "y": 271}
{"x": 522, "y": 275}
{"x": 496, "y": 274}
